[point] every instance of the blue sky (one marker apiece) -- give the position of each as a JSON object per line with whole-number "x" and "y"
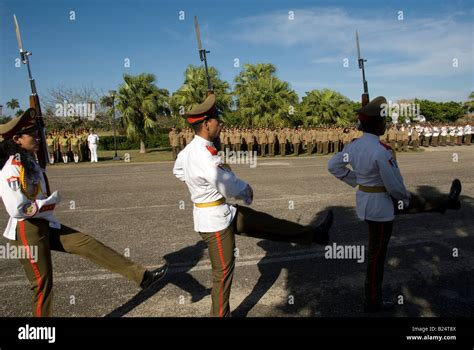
{"x": 406, "y": 59}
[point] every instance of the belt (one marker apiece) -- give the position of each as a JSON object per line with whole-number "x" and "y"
{"x": 373, "y": 189}
{"x": 210, "y": 204}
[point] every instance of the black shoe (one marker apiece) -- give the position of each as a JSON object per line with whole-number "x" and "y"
{"x": 454, "y": 193}
{"x": 383, "y": 306}
{"x": 151, "y": 277}
{"x": 321, "y": 233}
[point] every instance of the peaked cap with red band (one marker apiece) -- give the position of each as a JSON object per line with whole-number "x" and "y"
{"x": 204, "y": 111}
{"x": 24, "y": 124}
{"x": 372, "y": 110}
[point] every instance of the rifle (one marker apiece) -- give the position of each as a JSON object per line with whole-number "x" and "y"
{"x": 365, "y": 95}
{"x": 202, "y": 56}
{"x": 42, "y": 154}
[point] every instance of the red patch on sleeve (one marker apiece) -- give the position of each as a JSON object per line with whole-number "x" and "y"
{"x": 212, "y": 150}
{"x": 16, "y": 162}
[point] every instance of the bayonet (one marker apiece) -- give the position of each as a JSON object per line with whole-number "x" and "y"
{"x": 42, "y": 154}
{"x": 203, "y": 55}
{"x": 365, "y": 95}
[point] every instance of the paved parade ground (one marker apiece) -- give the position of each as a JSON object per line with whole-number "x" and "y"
{"x": 136, "y": 208}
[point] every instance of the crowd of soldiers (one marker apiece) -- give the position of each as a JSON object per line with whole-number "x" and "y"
{"x": 325, "y": 140}
{"x": 68, "y": 145}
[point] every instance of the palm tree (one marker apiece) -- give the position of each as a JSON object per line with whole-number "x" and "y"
{"x": 262, "y": 99}
{"x": 19, "y": 112}
{"x": 194, "y": 91}
{"x": 323, "y": 107}
{"x": 140, "y": 102}
{"x": 13, "y": 104}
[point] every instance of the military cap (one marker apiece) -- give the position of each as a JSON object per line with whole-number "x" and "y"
{"x": 24, "y": 124}
{"x": 203, "y": 111}
{"x": 373, "y": 110}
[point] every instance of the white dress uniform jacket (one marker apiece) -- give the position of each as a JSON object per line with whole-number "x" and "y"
{"x": 20, "y": 207}
{"x": 372, "y": 165}
{"x": 208, "y": 180}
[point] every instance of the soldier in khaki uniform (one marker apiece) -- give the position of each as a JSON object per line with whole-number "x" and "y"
{"x": 32, "y": 222}
{"x": 325, "y": 140}
{"x": 237, "y": 139}
{"x": 281, "y": 137}
{"x": 262, "y": 141}
{"x": 308, "y": 141}
{"x": 403, "y": 136}
{"x": 392, "y": 136}
{"x": 174, "y": 143}
{"x": 271, "y": 142}
{"x": 296, "y": 141}
{"x": 415, "y": 139}
{"x": 75, "y": 147}
{"x": 50, "y": 144}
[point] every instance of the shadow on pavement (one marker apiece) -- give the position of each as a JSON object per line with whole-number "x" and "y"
{"x": 178, "y": 274}
{"x": 421, "y": 270}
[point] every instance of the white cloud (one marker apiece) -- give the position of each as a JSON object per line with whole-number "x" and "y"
{"x": 413, "y": 47}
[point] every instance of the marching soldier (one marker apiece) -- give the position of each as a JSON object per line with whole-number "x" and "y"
{"x": 380, "y": 185}
{"x": 174, "y": 142}
{"x": 32, "y": 221}
{"x": 211, "y": 183}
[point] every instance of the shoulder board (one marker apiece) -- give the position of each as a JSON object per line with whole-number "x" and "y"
{"x": 211, "y": 150}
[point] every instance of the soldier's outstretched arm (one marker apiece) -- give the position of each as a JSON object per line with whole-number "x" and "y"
{"x": 338, "y": 166}
{"x": 224, "y": 180}
{"x": 17, "y": 204}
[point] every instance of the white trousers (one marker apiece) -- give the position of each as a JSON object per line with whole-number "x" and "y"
{"x": 93, "y": 149}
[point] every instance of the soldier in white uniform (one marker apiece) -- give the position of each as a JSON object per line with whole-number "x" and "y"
{"x": 32, "y": 221}
{"x": 93, "y": 142}
{"x": 467, "y": 134}
{"x": 381, "y": 193}
{"x": 211, "y": 183}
